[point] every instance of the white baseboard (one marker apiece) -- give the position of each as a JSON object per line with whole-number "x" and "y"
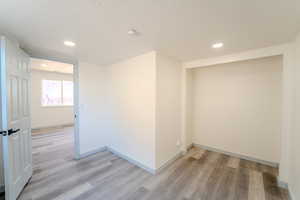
{"x": 291, "y": 194}
{"x": 179, "y": 154}
{"x": 54, "y": 126}
{"x": 285, "y": 185}
{"x": 169, "y": 162}
{"x": 131, "y": 160}
{"x": 272, "y": 164}
{"x": 189, "y": 146}
{"x": 84, "y": 155}
{"x": 282, "y": 184}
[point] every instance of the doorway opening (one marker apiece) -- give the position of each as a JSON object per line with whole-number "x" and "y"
{"x": 52, "y": 111}
{"x": 38, "y": 96}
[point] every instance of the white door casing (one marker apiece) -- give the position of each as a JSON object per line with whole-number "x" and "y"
{"x": 15, "y": 105}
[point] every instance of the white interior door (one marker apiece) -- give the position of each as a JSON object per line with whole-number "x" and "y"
{"x": 15, "y": 118}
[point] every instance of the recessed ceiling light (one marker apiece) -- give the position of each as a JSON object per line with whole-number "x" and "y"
{"x": 44, "y": 65}
{"x": 133, "y": 32}
{"x": 69, "y": 43}
{"x": 217, "y": 45}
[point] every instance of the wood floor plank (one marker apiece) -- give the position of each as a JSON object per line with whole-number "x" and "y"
{"x": 256, "y": 186}
{"x": 160, "y": 191}
{"x": 198, "y": 175}
{"x": 74, "y": 192}
{"x": 227, "y": 184}
{"x": 271, "y": 188}
{"x": 203, "y": 169}
{"x": 209, "y": 166}
{"x": 184, "y": 180}
{"x": 198, "y": 154}
{"x": 136, "y": 195}
{"x": 155, "y": 180}
{"x": 233, "y": 162}
{"x": 284, "y": 194}
{"x": 242, "y": 185}
{"x": 57, "y": 186}
{"x": 110, "y": 184}
{"x": 214, "y": 181}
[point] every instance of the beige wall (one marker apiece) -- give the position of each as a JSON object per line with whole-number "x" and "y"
{"x": 237, "y": 107}
{"x": 168, "y": 109}
{"x": 189, "y": 106}
{"x": 48, "y": 116}
{"x": 132, "y": 107}
{"x": 93, "y": 127}
{"x": 131, "y": 104}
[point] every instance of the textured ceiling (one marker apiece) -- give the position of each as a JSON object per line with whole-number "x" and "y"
{"x": 183, "y": 29}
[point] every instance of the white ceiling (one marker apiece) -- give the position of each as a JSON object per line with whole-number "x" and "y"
{"x": 183, "y": 29}
{"x": 51, "y": 66}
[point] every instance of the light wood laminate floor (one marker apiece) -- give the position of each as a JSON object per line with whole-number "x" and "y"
{"x": 199, "y": 175}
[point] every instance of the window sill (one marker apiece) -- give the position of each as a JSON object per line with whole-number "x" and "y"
{"x": 57, "y": 106}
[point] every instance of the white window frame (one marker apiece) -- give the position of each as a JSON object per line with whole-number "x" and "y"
{"x": 62, "y": 94}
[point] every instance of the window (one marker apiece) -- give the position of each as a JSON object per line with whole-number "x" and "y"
{"x": 57, "y": 93}
{"x": 68, "y": 93}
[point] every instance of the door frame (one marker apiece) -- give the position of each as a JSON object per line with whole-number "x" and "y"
{"x": 2, "y": 104}
{"x": 76, "y": 99}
